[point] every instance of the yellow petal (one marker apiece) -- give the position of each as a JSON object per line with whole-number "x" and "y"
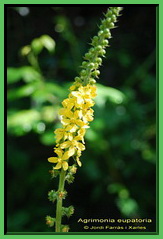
{"x": 65, "y": 144}
{"x": 65, "y": 166}
{"x": 80, "y": 123}
{"x": 71, "y": 151}
{"x": 65, "y": 121}
{"x": 80, "y": 146}
{"x": 58, "y": 166}
{"x": 79, "y": 162}
{"x": 73, "y": 128}
{"x": 59, "y": 152}
{"x": 53, "y": 159}
{"x": 65, "y": 156}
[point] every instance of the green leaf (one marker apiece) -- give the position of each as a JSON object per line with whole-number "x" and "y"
{"x": 23, "y": 121}
{"x": 21, "y": 92}
{"x": 26, "y": 73}
{"x": 13, "y": 75}
{"x": 37, "y": 45}
{"x": 48, "y": 43}
{"x": 105, "y": 93}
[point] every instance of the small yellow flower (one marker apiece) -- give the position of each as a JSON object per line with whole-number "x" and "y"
{"x": 72, "y": 118}
{"x": 60, "y": 160}
{"x": 68, "y": 103}
{"x": 87, "y": 115}
{"x": 73, "y": 145}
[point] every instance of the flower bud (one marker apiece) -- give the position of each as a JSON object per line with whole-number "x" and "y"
{"x": 111, "y": 25}
{"x": 88, "y": 55}
{"x": 83, "y": 73}
{"x": 92, "y": 50}
{"x": 77, "y": 79}
{"x": 108, "y": 20}
{"x": 105, "y": 43}
{"x": 98, "y": 60}
{"x": 91, "y": 65}
{"x": 113, "y": 18}
{"x": 102, "y": 52}
{"x": 84, "y": 63}
{"x": 95, "y": 73}
{"x": 95, "y": 40}
{"x": 100, "y": 33}
{"x": 109, "y": 13}
{"x": 98, "y": 48}
{"x": 107, "y": 33}
{"x": 92, "y": 81}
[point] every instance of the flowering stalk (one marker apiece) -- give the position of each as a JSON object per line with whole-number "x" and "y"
{"x": 75, "y": 117}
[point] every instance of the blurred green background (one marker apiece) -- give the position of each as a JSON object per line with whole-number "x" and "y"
{"x": 45, "y": 46}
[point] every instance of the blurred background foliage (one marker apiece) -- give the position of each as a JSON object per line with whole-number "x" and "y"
{"x": 45, "y": 46}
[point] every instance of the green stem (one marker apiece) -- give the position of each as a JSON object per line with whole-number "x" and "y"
{"x": 59, "y": 201}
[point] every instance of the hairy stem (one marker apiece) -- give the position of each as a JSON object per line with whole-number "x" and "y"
{"x": 59, "y": 201}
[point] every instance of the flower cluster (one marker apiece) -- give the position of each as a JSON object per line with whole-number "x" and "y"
{"x": 77, "y": 112}
{"x": 75, "y": 117}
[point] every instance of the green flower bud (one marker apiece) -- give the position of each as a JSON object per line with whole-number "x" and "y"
{"x": 105, "y": 43}
{"x": 108, "y": 20}
{"x": 88, "y": 55}
{"x": 98, "y": 60}
{"x": 92, "y": 81}
{"x": 100, "y": 33}
{"x": 109, "y": 13}
{"x": 98, "y": 48}
{"x": 91, "y": 65}
{"x": 92, "y": 50}
{"x": 84, "y": 63}
{"x": 107, "y": 33}
{"x": 95, "y": 73}
{"x": 77, "y": 79}
{"x": 111, "y": 25}
{"x": 83, "y": 73}
{"x": 113, "y": 18}
{"x": 96, "y": 65}
{"x": 95, "y": 40}
{"x": 102, "y": 52}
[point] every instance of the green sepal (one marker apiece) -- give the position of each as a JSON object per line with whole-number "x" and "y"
{"x": 52, "y": 195}
{"x": 67, "y": 211}
{"x": 50, "y": 221}
{"x": 65, "y": 228}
